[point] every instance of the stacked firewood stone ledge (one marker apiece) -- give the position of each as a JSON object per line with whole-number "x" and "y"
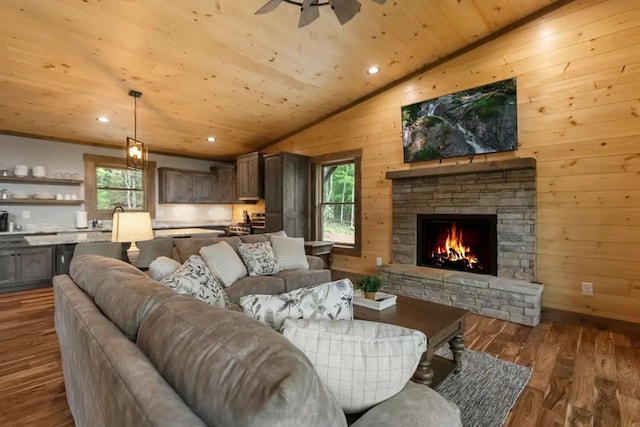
{"x": 507, "y": 299}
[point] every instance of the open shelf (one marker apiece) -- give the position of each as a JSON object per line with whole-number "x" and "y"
{"x": 40, "y": 202}
{"x": 32, "y": 180}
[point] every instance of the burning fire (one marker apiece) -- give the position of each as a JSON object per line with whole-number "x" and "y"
{"x": 452, "y": 248}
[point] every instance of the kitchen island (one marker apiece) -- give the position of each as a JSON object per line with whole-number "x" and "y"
{"x": 30, "y": 260}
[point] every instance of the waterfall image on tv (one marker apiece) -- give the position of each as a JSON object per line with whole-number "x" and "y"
{"x": 475, "y": 121}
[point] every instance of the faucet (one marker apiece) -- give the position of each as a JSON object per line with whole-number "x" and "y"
{"x": 116, "y": 208}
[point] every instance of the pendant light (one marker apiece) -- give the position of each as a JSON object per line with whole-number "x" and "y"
{"x": 136, "y": 154}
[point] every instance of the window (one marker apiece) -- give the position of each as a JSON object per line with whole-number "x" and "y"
{"x": 109, "y": 183}
{"x": 337, "y": 213}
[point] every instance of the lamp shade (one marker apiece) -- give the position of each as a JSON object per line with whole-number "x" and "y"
{"x": 131, "y": 227}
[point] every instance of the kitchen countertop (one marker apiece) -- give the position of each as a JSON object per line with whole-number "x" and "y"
{"x": 105, "y": 236}
{"x": 155, "y": 224}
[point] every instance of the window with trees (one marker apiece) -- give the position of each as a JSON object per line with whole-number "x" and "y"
{"x": 109, "y": 183}
{"x": 337, "y": 216}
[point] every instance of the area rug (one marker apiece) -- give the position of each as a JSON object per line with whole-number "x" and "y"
{"x": 485, "y": 390}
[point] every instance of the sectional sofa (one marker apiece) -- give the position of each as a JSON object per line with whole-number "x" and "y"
{"x": 134, "y": 352}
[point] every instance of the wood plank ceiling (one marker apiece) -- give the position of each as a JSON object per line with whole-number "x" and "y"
{"x": 212, "y": 67}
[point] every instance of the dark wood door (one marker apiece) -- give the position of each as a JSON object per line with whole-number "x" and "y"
{"x": 8, "y": 263}
{"x": 204, "y": 185}
{"x": 224, "y": 184}
{"x": 249, "y": 176}
{"x": 176, "y": 186}
{"x": 286, "y": 193}
{"x": 35, "y": 264}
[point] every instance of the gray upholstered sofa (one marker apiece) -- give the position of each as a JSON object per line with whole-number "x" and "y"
{"x": 135, "y": 353}
{"x": 278, "y": 283}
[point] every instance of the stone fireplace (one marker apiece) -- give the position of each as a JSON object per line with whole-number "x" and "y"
{"x": 491, "y": 207}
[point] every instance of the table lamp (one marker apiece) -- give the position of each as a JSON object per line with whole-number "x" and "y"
{"x": 131, "y": 227}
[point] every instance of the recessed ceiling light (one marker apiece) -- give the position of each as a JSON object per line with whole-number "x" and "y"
{"x": 373, "y": 70}
{"x": 211, "y": 139}
{"x": 103, "y": 119}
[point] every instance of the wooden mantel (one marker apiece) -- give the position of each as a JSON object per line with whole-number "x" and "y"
{"x": 494, "y": 166}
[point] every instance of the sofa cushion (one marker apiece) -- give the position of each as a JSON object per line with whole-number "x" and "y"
{"x": 194, "y": 278}
{"x": 290, "y": 252}
{"x": 415, "y": 405}
{"x": 104, "y": 279}
{"x": 185, "y": 247}
{"x": 255, "y": 285}
{"x": 258, "y": 258}
{"x": 296, "y": 279}
{"x": 232, "y": 371}
{"x": 333, "y": 300}
{"x": 224, "y": 262}
{"x": 363, "y": 363}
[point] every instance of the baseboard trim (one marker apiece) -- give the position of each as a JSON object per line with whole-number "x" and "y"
{"x": 581, "y": 319}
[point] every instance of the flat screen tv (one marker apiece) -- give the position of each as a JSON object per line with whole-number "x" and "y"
{"x": 475, "y": 121}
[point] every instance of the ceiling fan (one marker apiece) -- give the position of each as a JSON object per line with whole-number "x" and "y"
{"x": 344, "y": 9}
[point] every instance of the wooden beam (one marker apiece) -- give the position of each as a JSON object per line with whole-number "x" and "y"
{"x": 494, "y": 166}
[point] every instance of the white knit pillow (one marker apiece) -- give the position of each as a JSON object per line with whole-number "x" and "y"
{"x": 162, "y": 266}
{"x": 223, "y": 262}
{"x": 290, "y": 253}
{"x": 362, "y": 363}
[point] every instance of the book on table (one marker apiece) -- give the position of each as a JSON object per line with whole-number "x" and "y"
{"x": 383, "y": 300}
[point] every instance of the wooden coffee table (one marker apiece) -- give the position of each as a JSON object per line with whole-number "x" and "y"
{"x": 440, "y": 323}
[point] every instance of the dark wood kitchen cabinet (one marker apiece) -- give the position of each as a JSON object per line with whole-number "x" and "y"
{"x": 250, "y": 177}
{"x": 287, "y": 193}
{"x": 192, "y": 187}
{"x": 25, "y": 267}
{"x": 225, "y": 184}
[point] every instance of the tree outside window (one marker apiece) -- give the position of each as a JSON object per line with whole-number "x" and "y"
{"x": 337, "y": 201}
{"x": 119, "y": 187}
{"x": 109, "y": 183}
{"x": 338, "y": 209}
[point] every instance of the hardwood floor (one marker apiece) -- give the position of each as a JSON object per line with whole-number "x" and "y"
{"x": 581, "y": 376}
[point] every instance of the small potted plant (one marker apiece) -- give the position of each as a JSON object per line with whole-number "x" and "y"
{"x": 370, "y": 285}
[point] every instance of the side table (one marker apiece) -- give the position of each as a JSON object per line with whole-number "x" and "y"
{"x": 320, "y": 249}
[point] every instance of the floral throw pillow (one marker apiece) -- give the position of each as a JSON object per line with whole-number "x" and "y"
{"x": 332, "y": 301}
{"x": 258, "y": 258}
{"x": 194, "y": 278}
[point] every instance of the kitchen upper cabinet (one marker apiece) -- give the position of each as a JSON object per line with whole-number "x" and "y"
{"x": 25, "y": 267}
{"x": 204, "y": 188}
{"x": 250, "y": 177}
{"x": 225, "y": 184}
{"x": 175, "y": 186}
{"x": 286, "y": 193}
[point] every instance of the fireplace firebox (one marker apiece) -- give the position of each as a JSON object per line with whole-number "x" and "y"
{"x": 457, "y": 242}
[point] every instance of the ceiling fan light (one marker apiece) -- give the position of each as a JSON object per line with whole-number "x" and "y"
{"x": 310, "y": 12}
{"x": 345, "y": 9}
{"x": 270, "y": 6}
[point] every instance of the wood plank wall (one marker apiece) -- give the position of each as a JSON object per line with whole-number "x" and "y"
{"x": 578, "y": 72}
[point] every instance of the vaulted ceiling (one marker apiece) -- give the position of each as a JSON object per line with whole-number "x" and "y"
{"x": 213, "y": 67}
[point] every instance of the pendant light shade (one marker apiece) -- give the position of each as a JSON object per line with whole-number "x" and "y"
{"x": 135, "y": 150}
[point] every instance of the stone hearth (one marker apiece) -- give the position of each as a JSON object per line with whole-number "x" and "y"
{"x": 507, "y": 299}
{"x": 506, "y": 189}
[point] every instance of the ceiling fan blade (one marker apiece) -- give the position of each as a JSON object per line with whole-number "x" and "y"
{"x": 309, "y": 13}
{"x": 345, "y": 9}
{"x": 270, "y": 6}
{"x": 380, "y": 1}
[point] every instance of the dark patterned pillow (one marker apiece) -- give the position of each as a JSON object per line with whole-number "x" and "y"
{"x": 194, "y": 278}
{"x": 259, "y": 258}
{"x": 331, "y": 301}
